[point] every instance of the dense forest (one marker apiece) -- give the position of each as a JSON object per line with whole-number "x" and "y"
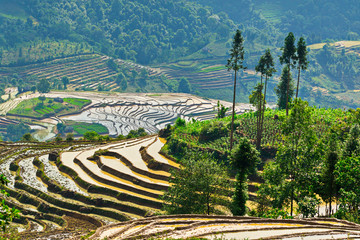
{"x": 318, "y": 20}
{"x": 153, "y": 31}
{"x": 160, "y": 33}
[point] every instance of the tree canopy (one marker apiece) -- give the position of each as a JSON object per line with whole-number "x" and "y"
{"x": 199, "y": 186}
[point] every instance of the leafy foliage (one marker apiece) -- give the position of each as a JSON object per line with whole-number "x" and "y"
{"x": 14, "y": 132}
{"x": 159, "y": 31}
{"x": 244, "y": 159}
{"x": 198, "y": 187}
{"x": 281, "y": 89}
{"x": 235, "y": 63}
{"x": 221, "y": 110}
{"x": 7, "y": 214}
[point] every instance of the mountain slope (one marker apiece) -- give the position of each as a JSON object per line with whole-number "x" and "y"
{"x": 137, "y": 30}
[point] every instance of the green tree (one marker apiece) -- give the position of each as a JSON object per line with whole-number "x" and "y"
{"x": 257, "y": 98}
{"x": 7, "y": 214}
{"x": 196, "y": 188}
{"x": 91, "y": 136}
{"x": 69, "y": 137}
{"x": 301, "y": 58}
{"x": 61, "y": 127}
{"x": 14, "y": 132}
{"x": 288, "y": 57}
{"x": 65, "y": 81}
{"x": 43, "y": 86}
{"x": 269, "y": 71}
{"x": 184, "y": 86}
{"x": 112, "y": 65}
{"x": 244, "y": 159}
{"x": 123, "y": 84}
{"x": 58, "y": 138}
{"x": 221, "y": 110}
{"x": 235, "y": 63}
{"x": 352, "y": 143}
{"x": 27, "y": 137}
{"x": 348, "y": 179}
{"x": 42, "y": 99}
{"x": 281, "y": 89}
{"x": 328, "y": 188}
{"x": 295, "y": 171}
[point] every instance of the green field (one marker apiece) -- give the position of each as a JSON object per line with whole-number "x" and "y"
{"x": 41, "y": 109}
{"x": 81, "y": 128}
{"x": 212, "y": 69}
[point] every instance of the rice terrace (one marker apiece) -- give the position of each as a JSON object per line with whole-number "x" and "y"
{"x": 179, "y": 119}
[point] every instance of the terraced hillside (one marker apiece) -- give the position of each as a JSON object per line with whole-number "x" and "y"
{"x": 121, "y": 113}
{"x": 65, "y": 190}
{"x": 85, "y": 72}
{"x": 221, "y": 227}
{"x": 205, "y": 76}
{"x": 94, "y": 184}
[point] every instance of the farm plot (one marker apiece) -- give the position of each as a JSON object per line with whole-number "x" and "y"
{"x": 123, "y": 113}
{"x": 205, "y": 77}
{"x": 49, "y": 196}
{"x": 120, "y": 167}
{"x": 215, "y": 227}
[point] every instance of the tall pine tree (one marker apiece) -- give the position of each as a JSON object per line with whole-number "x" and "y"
{"x": 285, "y": 89}
{"x": 235, "y": 62}
{"x": 302, "y": 62}
{"x": 288, "y": 57}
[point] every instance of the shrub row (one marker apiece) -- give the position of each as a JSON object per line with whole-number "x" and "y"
{"x": 152, "y": 163}
{"x": 66, "y": 205}
{"x": 106, "y": 191}
{"x": 26, "y": 199}
{"x": 135, "y": 169}
{"x": 98, "y": 202}
{"x": 125, "y": 176}
{"x": 113, "y": 183}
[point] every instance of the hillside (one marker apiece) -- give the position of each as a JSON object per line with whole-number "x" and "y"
{"x": 317, "y": 20}
{"x": 177, "y": 39}
{"x": 134, "y": 30}
{"x": 102, "y": 184}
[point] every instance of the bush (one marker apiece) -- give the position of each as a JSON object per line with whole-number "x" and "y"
{"x": 136, "y": 133}
{"x": 180, "y": 122}
{"x": 91, "y": 136}
{"x": 213, "y": 131}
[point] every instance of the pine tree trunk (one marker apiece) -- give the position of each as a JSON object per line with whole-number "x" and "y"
{"x": 298, "y": 82}
{"x": 258, "y": 132}
{"x": 263, "y": 112}
{"x": 292, "y": 201}
{"x": 287, "y": 93}
{"x": 233, "y": 114}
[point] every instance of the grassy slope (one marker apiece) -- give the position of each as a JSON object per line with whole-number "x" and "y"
{"x": 246, "y": 126}
{"x": 35, "y": 108}
{"x": 81, "y": 128}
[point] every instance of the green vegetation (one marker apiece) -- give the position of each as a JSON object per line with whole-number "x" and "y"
{"x": 300, "y": 154}
{"x": 235, "y": 63}
{"x": 7, "y": 214}
{"x": 14, "y": 132}
{"x": 42, "y": 107}
{"x": 81, "y": 128}
{"x": 77, "y": 101}
{"x": 191, "y": 42}
{"x": 244, "y": 159}
{"x": 199, "y": 187}
{"x": 110, "y": 27}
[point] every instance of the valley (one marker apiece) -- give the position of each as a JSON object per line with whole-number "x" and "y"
{"x": 120, "y": 113}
